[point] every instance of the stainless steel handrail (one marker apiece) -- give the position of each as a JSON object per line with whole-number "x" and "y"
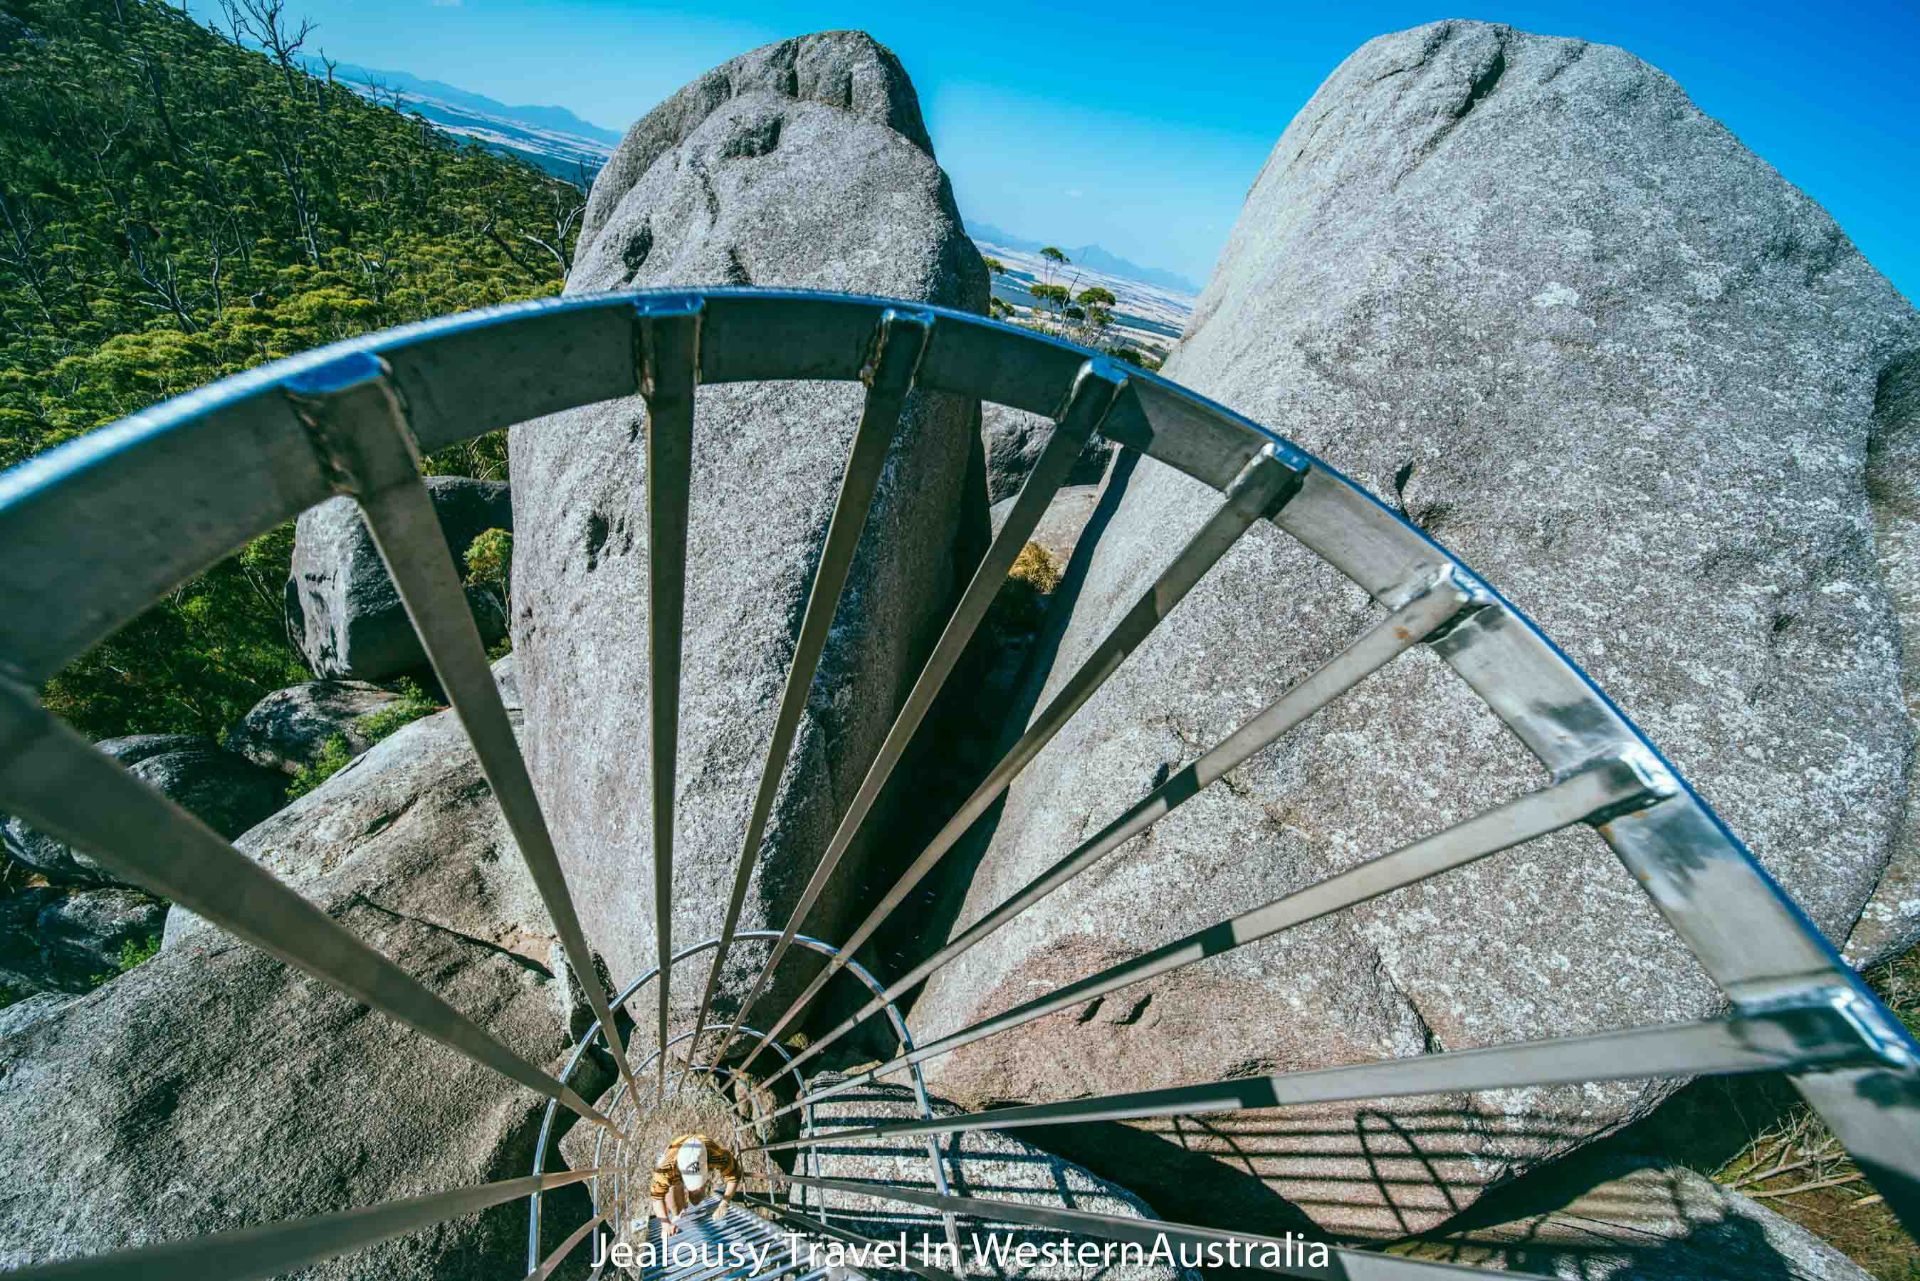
{"x": 222, "y": 465}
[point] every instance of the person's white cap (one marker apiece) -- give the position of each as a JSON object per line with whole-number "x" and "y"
{"x": 692, "y": 1162}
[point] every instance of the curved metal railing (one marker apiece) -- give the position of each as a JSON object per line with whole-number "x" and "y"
{"x": 212, "y": 469}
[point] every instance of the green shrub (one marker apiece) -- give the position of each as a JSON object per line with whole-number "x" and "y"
{"x": 136, "y": 951}
{"x": 334, "y": 755}
{"x": 490, "y": 561}
{"x": 490, "y": 566}
{"x": 132, "y": 952}
{"x": 412, "y": 705}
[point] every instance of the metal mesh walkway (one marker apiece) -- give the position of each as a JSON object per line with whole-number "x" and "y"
{"x": 741, "y": 1244}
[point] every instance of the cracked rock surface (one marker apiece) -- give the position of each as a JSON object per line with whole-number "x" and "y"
{"x": 213, "y": 1087}
{"x": 1524, "y": 291}
{"x": 804, "y": 163}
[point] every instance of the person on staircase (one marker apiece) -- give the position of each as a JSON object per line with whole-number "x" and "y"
{"x": 684, "y": 1175}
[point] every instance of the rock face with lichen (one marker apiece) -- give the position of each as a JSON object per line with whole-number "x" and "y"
{"x": 1528, "y": 294}
{"x": 801, "y": 164}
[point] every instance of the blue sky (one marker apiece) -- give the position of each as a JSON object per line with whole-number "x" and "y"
{"x": 1140, "y": 126}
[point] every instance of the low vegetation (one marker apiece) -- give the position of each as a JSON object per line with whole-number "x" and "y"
{"x": 176, "y": 207}
{"x": 1792, "y": 1163}
{"x": 1021, "y": 605}
{"x": 412, "y": 705}
{"x": 133, "y": 952}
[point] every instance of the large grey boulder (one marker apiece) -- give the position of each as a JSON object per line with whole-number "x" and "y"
{"x": 289, "y": 728}
{"x": 978, "y": 1163}
{"x": 226, "y": 791}
{"x": 1527, "y": 293}
{"x": 1890, "y": 922}
{"x": 801, "y": 164}
{"x": 342, "y": 608}
{"x": 213, "y": 1087}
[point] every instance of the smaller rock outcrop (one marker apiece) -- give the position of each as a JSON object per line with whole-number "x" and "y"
{"x": 289, "y": 727}
{"x": 227, "y": 792}
{"x": 342, "y": 608}
{"x": 53, "y": 939}
{"x": 1014, "y": 439}
{"x": 506, "y": 678}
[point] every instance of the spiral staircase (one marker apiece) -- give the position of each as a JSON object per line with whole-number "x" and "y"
{"x": 222, "y": 465}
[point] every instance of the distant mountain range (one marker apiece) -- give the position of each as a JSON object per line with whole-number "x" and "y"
{"x": 552, "y": 138}
{"x": 561, "y": 143}
{"x": 1092, "y": 256}
{"x": 558, "y": 119}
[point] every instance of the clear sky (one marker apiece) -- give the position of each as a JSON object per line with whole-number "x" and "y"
{"x": 1140, "y": 126}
